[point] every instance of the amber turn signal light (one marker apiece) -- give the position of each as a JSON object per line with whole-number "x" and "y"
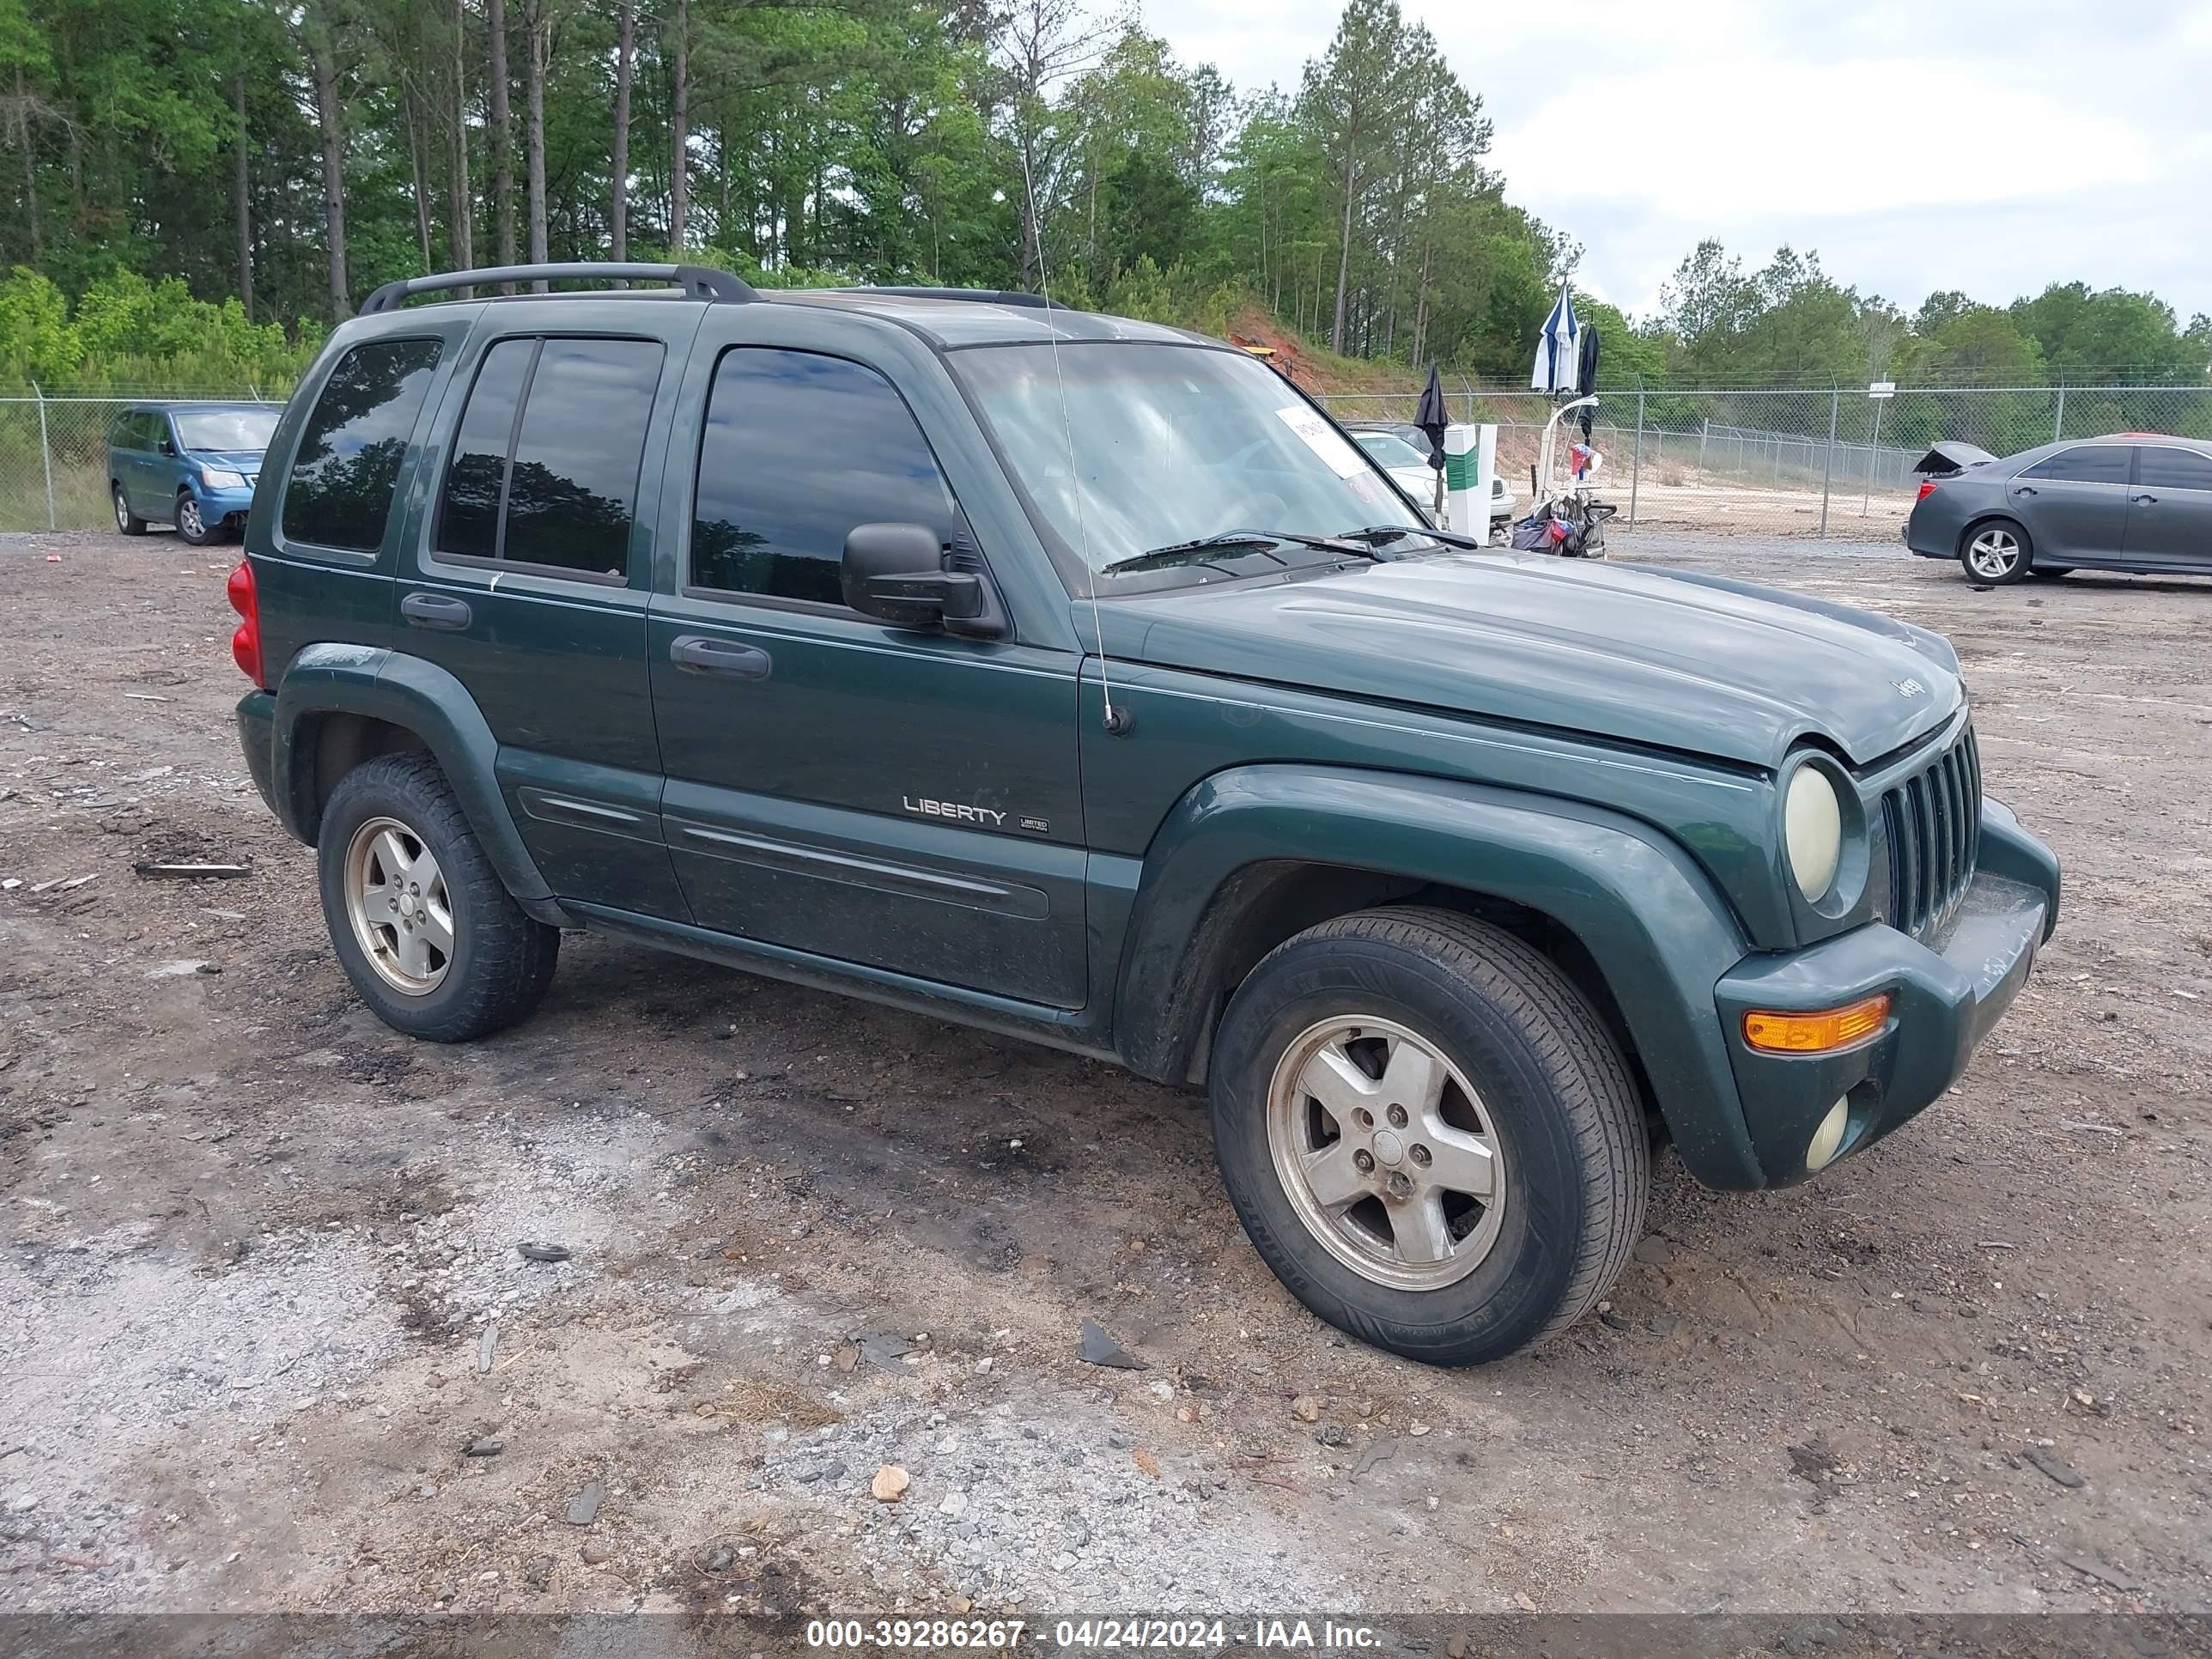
{"x": 1816, "y": 1034}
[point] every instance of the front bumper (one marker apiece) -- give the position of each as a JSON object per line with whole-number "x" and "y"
{"x": 222, "y": 506}
{"x": 1946, "y": 994}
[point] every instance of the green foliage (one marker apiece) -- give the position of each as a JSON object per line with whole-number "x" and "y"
{"x": 2113, "y": 336}
{"x": 869, "y": 141}
{"x": 127, "y": 333}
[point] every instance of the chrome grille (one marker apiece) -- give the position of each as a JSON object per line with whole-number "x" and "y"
{"x": 1933, "y": 822}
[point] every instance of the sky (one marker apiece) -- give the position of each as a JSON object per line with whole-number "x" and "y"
{"x": 1992, "y": 147}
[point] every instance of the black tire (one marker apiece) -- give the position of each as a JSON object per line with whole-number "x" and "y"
{"x": 1982, "y": 570}
{"x": 192, "y": 529}
{"x": 501, "y": 960}
{"x": 2050, "y": 573}
{"x": 1567, "y": 1118}
{"x": 125, "y": 520}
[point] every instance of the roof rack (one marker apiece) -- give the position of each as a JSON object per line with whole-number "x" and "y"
{"x": 697, "y": 282}
{"x": 989, "y": 296}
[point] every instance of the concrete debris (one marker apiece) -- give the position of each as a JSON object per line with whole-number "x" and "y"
{"x": 1099, "y": 1349}
{"x": 584, "y": 1507}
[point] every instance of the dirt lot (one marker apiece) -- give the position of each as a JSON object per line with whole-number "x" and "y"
{"x": 260, "y": 1292}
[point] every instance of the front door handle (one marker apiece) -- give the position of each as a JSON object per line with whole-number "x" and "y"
{"x": 724, "y": 659}
{"x": 2144, "y": 501}
{"x": 436, "y": 611}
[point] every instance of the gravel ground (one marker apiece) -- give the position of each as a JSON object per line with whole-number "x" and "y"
{"x": 260, "y": 1294}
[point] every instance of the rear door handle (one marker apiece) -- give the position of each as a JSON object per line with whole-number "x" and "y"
{"x": 2150, "y": 499}
{"x": 2024, "y": 490}
{"x": 436, "y": 611}
{"x": 724, "y": 659}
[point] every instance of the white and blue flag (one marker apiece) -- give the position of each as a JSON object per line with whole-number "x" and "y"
{"x": 1558, "y": 348}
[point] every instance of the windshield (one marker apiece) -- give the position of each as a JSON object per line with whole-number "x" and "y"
{"x": 1388, "y": 449}
{"x": 226, "y": 428}
{"x": 1170, "y": 444}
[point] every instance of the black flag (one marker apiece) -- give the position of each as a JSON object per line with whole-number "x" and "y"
{"x": 1432, "y": 419}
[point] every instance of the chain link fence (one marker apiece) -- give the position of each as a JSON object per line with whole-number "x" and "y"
{"x": 54, "y": 473}
{"x": 1832, "y": 462}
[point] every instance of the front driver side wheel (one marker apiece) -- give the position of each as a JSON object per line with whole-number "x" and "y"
{"x": 1429, "y": 1133}
{"x": 1996, "y": 553}
{"x": 192, "y": 528}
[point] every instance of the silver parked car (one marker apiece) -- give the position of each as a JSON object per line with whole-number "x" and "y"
{"x": 1402, "y": 451}
{"x": 2135, "y": 501}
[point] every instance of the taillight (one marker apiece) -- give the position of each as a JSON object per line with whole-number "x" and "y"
{"x": 246, "y": 643}
{"x": 1927, "y": 488}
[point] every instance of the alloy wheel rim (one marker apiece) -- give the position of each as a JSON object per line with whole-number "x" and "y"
{"x": 398, "y": 904}
{"x": 1993, "y": 553}
{"x": 122, "y": 512}
{"x": 188, "y": 516}
{"x": 1385, "y": 1151}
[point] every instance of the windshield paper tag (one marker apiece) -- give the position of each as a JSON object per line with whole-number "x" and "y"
{"x": 1343, "y": 457}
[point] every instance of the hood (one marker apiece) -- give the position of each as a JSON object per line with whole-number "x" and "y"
{"x": 1671, "y": 658}
{"x": 238, "y": 460}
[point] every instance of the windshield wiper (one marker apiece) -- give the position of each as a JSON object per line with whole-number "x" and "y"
{"x": 1381, "y": 534}
{"x": 1176, "y": 551}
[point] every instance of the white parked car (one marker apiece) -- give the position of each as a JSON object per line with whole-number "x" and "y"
{"x": 1408, "y": 463}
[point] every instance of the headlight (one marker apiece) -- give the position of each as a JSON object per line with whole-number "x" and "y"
{"x": 222, "y": 477}
{"x": 1812, "y": 832}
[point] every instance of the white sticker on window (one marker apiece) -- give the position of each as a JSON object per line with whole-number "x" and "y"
{"x": 1342, "y": 455}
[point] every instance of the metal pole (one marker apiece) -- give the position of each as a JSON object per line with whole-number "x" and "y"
{"x": 2058, "y": 420}
{"x": 1704, "y": 431}
{"x": 1874, "y": 457}
{"x": 45, "y": 456}
{"x": 1636, "y": 465}
{"x": 1828, "y": 467}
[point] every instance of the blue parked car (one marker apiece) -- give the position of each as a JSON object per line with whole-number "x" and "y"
{"x": 194, "y": 465}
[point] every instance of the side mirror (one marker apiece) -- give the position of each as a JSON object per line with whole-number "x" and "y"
{"x": 168, "y": 448}
{"x": 896, "y": 572}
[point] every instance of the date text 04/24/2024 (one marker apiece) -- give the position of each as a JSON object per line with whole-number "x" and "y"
{"x": 1088, "y": 1635}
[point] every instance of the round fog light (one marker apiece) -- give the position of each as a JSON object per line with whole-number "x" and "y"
{"x": 1828, "y": 1138}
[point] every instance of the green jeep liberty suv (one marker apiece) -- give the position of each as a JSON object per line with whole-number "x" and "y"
{"x": 1077, "y": 677}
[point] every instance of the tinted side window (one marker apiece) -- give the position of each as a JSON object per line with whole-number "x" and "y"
{"x": 2090, "y": 464}
{"x": 2173, "y": 469}
{"x": 348, "y": 463}
{"x": 558, "y": 487}
{"x": 799, "y": 449}
{"x": 573, "y": 487}
{"x": 468, "y": 512}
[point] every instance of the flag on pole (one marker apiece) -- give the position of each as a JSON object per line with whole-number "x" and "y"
{"x": 1558, "y": 348}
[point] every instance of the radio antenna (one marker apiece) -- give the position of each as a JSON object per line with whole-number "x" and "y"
{"x": 1119, "y": 721}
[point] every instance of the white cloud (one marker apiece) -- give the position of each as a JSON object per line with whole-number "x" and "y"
{"x": 1741, "y": 139}
{"x": 1989, "y": 145}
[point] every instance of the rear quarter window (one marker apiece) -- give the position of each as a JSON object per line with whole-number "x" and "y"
{"x": 2088, "y": 463}
{"x": 2161, "y": 466}
{"x": 347, "y": 466}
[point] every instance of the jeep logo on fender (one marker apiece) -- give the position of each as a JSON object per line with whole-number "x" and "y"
{"x": 945, "y": 809}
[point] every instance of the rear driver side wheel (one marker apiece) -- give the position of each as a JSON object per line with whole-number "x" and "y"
{"x": 125, "y": 520}
{"x": 422, "y": 925}
{"x": 1997, "y": 552}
